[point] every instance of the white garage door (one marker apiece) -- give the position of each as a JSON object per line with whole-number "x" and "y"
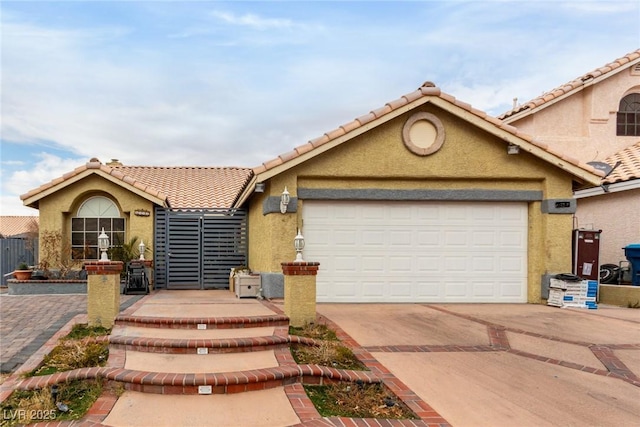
{"x": 417, "y": 251}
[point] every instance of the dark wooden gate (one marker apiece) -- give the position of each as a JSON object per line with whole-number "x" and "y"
{"x": 198, "y": 249}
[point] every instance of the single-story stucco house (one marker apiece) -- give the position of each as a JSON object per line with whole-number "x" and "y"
{"x": 425, "y": 199}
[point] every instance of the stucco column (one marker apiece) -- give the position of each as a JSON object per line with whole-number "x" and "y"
{"x": 300, "y": 292}
{"x": 103, "y": 292}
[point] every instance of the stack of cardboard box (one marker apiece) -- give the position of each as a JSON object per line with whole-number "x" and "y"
{"x": 579, "y": 293}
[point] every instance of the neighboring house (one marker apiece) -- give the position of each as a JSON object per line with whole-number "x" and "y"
{"x": 18, "y": 243}
{"x": 18, "y": 227}
{"x": 596, "y": 119}
{"x": 423, "y": 200}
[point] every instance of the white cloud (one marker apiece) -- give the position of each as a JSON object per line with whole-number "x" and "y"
{"x": 42, "y": 168}
{"x": 243, "y": 85}
{"x": 254, "y": 21}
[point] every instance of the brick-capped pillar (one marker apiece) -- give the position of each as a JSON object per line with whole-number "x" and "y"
{"x": 103, "y": 292}
{"x": 300, "y": 292}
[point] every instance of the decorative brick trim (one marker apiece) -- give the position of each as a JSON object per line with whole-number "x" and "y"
{"x": 428, "y": 415}
{"x": 300, "y": 268}
{"x": 190, "y": 346}
{"x": 186, "y": 383}
{"x": 211, "y": 322}
{"x": 103, "y": 267}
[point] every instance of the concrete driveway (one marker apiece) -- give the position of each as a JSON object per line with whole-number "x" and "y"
{"x": 506, "y": 365}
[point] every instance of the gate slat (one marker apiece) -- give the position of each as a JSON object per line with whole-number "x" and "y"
{"x": 197, "y": 249}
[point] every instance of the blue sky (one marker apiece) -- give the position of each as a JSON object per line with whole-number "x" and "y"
{"x": 209, "y": 83}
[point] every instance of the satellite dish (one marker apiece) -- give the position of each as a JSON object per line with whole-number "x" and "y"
{"x": 602, "y": 166}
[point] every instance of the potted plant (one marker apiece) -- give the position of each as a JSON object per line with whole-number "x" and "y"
{"x": 22, "y": 272}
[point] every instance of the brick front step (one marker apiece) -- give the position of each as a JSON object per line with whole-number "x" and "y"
{"x": 192, "y": 346}
{"x": 209, "y": 322}
{"x": 228, "y": 382}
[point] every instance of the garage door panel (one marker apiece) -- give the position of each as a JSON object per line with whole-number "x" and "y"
{"x": 513, "y": 239}
{"x": 400, "y": 213}
{"x": 429, "y": 289}
{"x": 455, "y": 289}
{"x": 373, "y": 288}
{"x": 418, "y": 251}
{"x": 512, "y": 264}
{"x": 429, "y": 239}
{"x": 402, "y": 238}
{"x": 483, "y": 239}
{"x": 345, "y": 264}
{"x": 511, "y": 289}
{"x": 456, "y": 238}
{"x": 373, "y": 264}
{"x": 400, "y": 289}
{"x": 400, "y": 264}
{"x": 483, "y": 264}
{"x": 484, "y": 289}
{"x": 373, "y": 238}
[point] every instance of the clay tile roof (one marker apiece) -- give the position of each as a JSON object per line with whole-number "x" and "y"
{"x": 192, "y": 187}
{"x": 629, "y": 167}
{"x": 573, "y": 85}
{"x": 428, "y": 91}
{"x": 179, "y": 187}
{"x": 14, "y": 226}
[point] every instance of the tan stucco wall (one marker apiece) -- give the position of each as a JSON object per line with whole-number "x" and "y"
{"x": 623, "y": 296}
{"x": 618, "y": 216}
{"x": 57, "y": 209}
{"x": 469, "y": 159}
{"x": 584, "y": 124}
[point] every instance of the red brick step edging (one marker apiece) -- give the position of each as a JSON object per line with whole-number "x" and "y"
{"x": 210, "y": 322}
{"x": 213, "y": 346}
{"x": 187, "y": 383}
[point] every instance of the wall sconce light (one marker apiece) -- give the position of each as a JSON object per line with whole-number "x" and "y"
{"x": 259, "y": 187}
{"x": 141, "y": 248}
{"x": 298, "y": 242}
{"x": 103, "y": 245}
{"x": 513, "y": 149}
{"x": 284, "y": 200}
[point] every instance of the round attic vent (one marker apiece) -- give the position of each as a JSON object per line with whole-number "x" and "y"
{"x": 423, "y": 134}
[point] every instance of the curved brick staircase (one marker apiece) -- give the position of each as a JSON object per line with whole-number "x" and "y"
{"x": 144, "y": 349}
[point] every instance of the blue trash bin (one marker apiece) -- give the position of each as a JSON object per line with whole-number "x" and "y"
{"x": 632, "y": 252}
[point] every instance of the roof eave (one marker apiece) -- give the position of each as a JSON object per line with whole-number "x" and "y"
{"x": 632, "y": 184}
{"x": 590, "y": 82}
{"x": 32, "y": 201}
{"x": 578, "y": 172}
{"x": 276, "y": 170}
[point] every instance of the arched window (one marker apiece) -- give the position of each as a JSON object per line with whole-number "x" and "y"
{"x": 628, "y": 123}
{"x": 93, "y": 215}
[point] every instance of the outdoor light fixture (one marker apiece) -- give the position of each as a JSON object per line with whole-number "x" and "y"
{"x": 284, "y": 200}
{"x": 298, "y": 242}
{"x": 141, "y": 248}
{"x": 513, "y": 149}
{"x": 103, "y": 245}
{"x": 259, "y": 187}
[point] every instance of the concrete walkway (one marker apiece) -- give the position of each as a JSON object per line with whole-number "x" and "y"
{"x": 506, "y": 365}
{"x": 467, "y": 365}
{"x": 268, "y": 407}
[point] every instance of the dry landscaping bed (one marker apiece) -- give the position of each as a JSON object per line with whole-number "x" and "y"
{"x": 343, "y": 399}
{"x": 67, "y": 401}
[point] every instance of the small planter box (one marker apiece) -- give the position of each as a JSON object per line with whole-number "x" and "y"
{"x": 39, "y": 287}
{"x": 247, "y": 285}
